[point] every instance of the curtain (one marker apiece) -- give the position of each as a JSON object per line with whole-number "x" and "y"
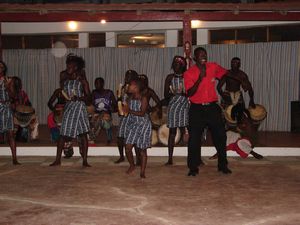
{"x": 272, "y": 68}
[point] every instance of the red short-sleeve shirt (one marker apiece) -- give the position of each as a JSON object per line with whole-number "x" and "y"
{"x": 206, "y": 91}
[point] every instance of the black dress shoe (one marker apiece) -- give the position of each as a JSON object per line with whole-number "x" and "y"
{"x": 193, "y": 172}
{"x": 224, "y": 170}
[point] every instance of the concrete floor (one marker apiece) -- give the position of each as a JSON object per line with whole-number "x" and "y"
{"x": 257, "y": 192}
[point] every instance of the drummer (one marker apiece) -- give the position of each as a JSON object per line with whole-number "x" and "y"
{"x": 179, "y": 105}
{"x": 21, "y": 99}
{"x": 7, "y": 94}
{"x": 244, "y": 132}
{"x": 105, "y": 104}
{"x": 234, "y": 80}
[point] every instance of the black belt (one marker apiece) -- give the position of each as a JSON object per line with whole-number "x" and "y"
{"x": 205, "y": 103}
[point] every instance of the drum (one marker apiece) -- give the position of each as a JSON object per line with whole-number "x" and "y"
{"x": 227, "y": 113}
{"x": 58, "y": 114}
{"x": 154, "y": 137}
{"x": 156, "y": 121}
{"x": 163, "y": 135}
{"x": 258, "y": 113}
{"x": 23, "y": 115}
{"x": 245, "y": 145}
{"x": 90, "y": 110}
{"x": 106, "y": 120}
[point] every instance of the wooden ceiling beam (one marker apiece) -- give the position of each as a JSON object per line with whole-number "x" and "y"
{"x": 148, "y": 16}
{"x": 268, "y": 6}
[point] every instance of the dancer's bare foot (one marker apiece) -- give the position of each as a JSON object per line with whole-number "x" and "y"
{"x": 121, "y": 159}
{"x": 15, "y": 162}
{"x": 256, "y": 155}
{"x": 215, "y": 156}
{"x": 201, "y": 163}
{"x": 142, "y": 175}
{"x": 55, "y": 163}
{"x": 130, "y": 169}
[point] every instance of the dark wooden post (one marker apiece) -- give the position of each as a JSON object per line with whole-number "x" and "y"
{"x": 187, "y": 40}
{"x": 0, "y": 41}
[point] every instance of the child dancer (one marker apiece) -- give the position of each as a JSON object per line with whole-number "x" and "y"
{"x": 138, "y": 130}
{"x": 129, "y": 75}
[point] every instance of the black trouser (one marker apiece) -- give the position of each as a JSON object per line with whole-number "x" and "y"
{"x": 201, "y": 116}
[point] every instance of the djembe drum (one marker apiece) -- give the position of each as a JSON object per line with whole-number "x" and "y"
{"x": 227, "y": 114}
{"x": 154, "y": 137}
{"x": 163, "y": 135}
{"x": 23, "y": 115}
{"x": 58, "y": 114}
{"x": 257, "y": 114}
{"x": 154, "y": 116}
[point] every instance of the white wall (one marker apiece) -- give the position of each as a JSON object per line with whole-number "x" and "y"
{"x": 112, "y": 28}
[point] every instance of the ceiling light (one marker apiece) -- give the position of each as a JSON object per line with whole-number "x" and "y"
{"x": 72, "y": 25}
{"x": 196, "y": 23}
{"x": 103, "y": 21}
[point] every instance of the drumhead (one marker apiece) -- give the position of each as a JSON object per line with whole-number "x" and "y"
{"x": 155, "y": 118}
{"x": 154, "y": 137}
{"x": 24, "y": 109}
{"x": 163, "y": 135}
{"x": 245, "y": 145}
{"x": 23, "y": 115}
{"x": 258, "y": 113}
{"x": 227, "y": 114}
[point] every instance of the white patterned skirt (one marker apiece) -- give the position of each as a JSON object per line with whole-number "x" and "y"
{"x": 178, "y": 111}
{"x": 75, "y": 119}
{"x": 122, "y": 126}
{"x": 6, "y": 118}
{"x": 138, "y": 131}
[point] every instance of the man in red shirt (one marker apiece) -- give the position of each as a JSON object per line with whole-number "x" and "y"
{"x": 200, "y": 83}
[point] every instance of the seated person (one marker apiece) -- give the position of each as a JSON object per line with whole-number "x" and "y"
{"x": 105, "y": 104}
{"x": 242, "y": 138}
{"x": 25, "y": 119}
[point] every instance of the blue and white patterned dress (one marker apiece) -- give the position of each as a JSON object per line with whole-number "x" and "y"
{"x": 139, "y": 129}
{"x": 123, "y": 122}
{"x": 122, "y": 126}
{"x": 75, "y": 119}
{"x": 6, "y": 114}
{"x": 178, "y": 108}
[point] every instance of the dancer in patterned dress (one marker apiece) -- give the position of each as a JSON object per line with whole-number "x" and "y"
{"x": 138, "y": 130}
{"x": 129, "y": 75}
{"x": 178, "y": 107}
{"x": 7, "y": 94}
{"x": 75, "y": 121}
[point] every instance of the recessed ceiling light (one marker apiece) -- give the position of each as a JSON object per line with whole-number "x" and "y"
{"x": 72, "y": 25}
